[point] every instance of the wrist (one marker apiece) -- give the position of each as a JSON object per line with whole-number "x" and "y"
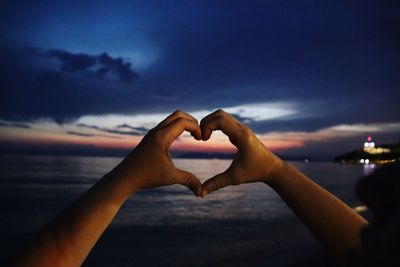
{"x": 274, "y": 174}
{"x": 121, "y": 184}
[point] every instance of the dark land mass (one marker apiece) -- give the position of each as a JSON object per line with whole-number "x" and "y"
{"x": 387, "y": 157}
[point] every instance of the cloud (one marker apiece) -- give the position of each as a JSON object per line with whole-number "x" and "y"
{"x": 328, "y": 142}
{"x": 103, "y": 66}
{"x": 140, "y": 130}
{"x": 80, "y": 134}
{"x": 134, "y": 131}
{"x": 208, "y": 56}
{"x": 14, "y": 124}
{"x": 254, "y": 112}
{"x": 251, "y": 114}
{"x": 34, "y": 86}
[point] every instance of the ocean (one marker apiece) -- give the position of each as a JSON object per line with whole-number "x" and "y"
{"x": 236, "y": 226}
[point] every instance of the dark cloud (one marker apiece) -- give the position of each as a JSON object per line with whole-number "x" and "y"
{"x": 134, "y": 131}
{"x": 137, "y": 129}
{"x": 91, "y": 135}
{"x": 340, "y": 60}
{"x": 102, "y": 65}
{"x": 33, "y": 87}
{"x": 80, "y": 134}
{"x": 83, "y": 125}
{"x": 15, "y": 124}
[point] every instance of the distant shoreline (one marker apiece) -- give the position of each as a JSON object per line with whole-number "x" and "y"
{"x": 123, "y": 153}
{"x": 382, "y": 154}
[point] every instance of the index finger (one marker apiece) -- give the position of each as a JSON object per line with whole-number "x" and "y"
{"x": 178, "y": 126}
{"x": 176, "y": 114}
{"x": 220, "y": 120}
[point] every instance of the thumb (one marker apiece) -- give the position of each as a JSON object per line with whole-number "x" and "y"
{"x": 215, "y": 183}
{"x": 189, "y": 180}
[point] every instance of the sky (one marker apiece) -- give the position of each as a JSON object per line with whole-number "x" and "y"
{"x": 311, "y": 78}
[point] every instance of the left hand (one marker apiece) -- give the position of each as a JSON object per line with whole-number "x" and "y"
{"x": 149, "y": 165}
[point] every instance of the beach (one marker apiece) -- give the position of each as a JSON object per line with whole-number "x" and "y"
{"x": 236, "y": 226}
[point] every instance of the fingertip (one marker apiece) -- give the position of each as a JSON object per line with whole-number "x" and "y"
{"x": 196, "y": 192}
{"x": 195, "y": 185}
{"x": 206, "y": 189}
{"x": 206, "y": 134}
{"x": 197, "y": 135}
{"x": 204, "y": 193}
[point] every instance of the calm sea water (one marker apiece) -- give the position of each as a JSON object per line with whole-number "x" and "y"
{"x": 35, "y": 188}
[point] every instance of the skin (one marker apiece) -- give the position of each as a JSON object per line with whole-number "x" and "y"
{"x": 68, "y": 239}
{"x": 332, "y": 222}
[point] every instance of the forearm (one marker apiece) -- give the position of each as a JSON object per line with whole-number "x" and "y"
{"x": 67, "y": 240}
{"x": 333, "y": 223}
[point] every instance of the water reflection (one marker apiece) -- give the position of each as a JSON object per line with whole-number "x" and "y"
{"x": 368, "y": 168}
{"x": 45, "y": 180}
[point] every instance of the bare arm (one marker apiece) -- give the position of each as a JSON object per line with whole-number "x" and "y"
{"x": 333, "y": 223}
{"x": 68, "y": 239}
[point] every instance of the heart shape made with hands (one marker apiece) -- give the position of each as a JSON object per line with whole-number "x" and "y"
{"x": 253, "y": 161}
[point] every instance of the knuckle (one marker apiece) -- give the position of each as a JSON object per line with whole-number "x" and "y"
{"x": 188, "y": 180}
{"x": 246, "y": 134}
{"x": 178, "y": 112}
{"x": 195, "y": 120}
{"x": 246, "y": 131}
{"x": 220, "y": 112}
{"x": 180, "y": 120}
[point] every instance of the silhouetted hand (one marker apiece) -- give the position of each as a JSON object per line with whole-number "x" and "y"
{"x": 253, "y": 162}
{"x": 149, "y": 165}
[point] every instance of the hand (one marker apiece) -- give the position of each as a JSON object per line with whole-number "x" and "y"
{"x": 253, "y": 162}
{"x": 149, "y": 165}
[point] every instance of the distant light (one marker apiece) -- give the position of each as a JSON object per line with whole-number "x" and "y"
{"x": 372, "y": 144}
{"x": 361, "y": 161}
{"x": 369, "y": 138}
{"x": 366, "y": 161}
{"x": 360, "y": 208}
{"x": 366, "y": 144}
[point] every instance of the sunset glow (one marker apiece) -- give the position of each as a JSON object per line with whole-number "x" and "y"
{"x": 303, "y": 84}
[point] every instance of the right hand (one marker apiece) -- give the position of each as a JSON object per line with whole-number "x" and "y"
{"x": 253, "y": 162}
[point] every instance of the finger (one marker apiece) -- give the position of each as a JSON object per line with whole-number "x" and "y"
{"x": 176, "y": 114}
{"x": 189, "y": 180}
{"x": 233, "y": 129}
{"x": 218, "y": 120}
{"x": 178, "y": 126}
{"x": 218, "y": 181}
{"x": 211, "y": 116}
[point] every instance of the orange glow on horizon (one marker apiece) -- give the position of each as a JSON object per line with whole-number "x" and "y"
{"x": 53, "y": 135}
{"x": 217, "y": 143}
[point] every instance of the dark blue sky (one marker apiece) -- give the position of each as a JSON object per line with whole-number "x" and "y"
{"x": 333, "y": 62}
